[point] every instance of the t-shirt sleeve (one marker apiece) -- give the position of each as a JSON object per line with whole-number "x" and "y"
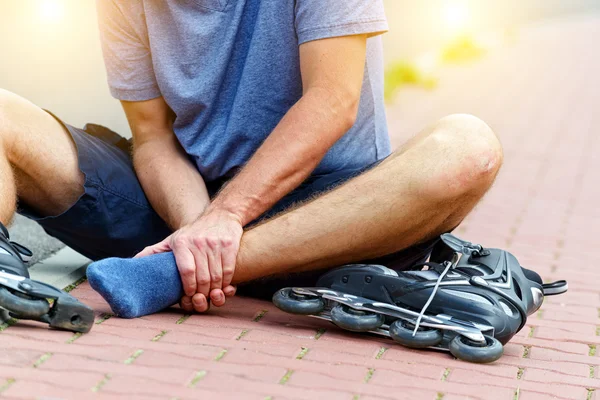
{"x": 126, "y": 51}
{"x": 320, "y": 19}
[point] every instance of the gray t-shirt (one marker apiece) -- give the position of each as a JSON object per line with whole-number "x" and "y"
{"x": 230, "y": 71}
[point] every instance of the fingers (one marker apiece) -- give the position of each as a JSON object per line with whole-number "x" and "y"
{"x": 216, "y": 270}
{"x": 186, "y": 304}
{"x": 186, "y": 265}
{"x": 229, "y": 291}
{"x": 222, "y": 269}
{"x": 200, "y": 303}
{"x": 202, "y": 273}
{"x": 206, "y": 254}
{"x": 228, "y": 260}
{"x": 160, "y": 247}
{"x": 196, "y": 303}
{"x": 217, "y": 297}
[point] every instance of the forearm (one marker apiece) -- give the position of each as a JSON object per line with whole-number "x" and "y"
{"x": 171, "y": 182}
{"x": 288, "y": 155}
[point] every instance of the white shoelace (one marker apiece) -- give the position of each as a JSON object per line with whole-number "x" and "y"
{"x": 433, "y": 293}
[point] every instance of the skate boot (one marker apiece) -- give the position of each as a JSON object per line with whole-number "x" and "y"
{"x": 23, "y": 298}
{"x": 467, "y": 299}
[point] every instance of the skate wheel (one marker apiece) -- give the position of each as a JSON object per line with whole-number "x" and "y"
{"x": 355, "y": 320}
{"x": 467, "y": 350}
{"x": 288, "y": 301}
{"x": 402, "y": 332}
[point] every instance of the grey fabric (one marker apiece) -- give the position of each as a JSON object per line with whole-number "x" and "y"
{"x": 230, "y": 70}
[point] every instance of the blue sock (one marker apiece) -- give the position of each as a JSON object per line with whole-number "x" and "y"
{"x": 134, "y": 287}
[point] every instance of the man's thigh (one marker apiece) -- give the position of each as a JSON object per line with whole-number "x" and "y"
{"x": 112, "y": 217}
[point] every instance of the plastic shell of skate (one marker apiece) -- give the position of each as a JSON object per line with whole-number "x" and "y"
{"x": 478, "y": 302}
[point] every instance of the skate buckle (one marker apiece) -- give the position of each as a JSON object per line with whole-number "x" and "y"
{"x": 464, "y": 247}
{"x": 27, "y": 299}
{"x": 478, "y": 281}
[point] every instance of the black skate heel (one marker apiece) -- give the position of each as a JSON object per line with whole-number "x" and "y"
{"x": 23, "y": 298}
{"x": 468, "y": 300}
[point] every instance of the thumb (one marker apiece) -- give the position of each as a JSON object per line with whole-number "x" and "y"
{"x": 159, "y": 247}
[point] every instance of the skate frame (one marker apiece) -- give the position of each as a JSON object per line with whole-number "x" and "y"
{"x": 443, "y": 322}
{"x": 470, "y": 330}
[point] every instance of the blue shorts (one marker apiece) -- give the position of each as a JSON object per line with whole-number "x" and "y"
{"x": 113, "y": 217}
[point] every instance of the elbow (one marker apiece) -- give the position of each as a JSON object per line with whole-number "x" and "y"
{"x": 348, "y": 112}
{"x": 149, "y": 136}
{"x": 352, "y": 115}
{"x": 345, "y": 109}
{"x": 340, "y": 106}
{"x": 150, "y": 147}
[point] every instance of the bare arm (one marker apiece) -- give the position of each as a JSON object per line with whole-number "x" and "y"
{"x": 332, "y": 75}
{"x": 171, "y": 182}
{"x": 206, "y": 250}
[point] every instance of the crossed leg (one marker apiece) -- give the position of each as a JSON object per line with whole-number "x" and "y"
{"x": 425, "y": 188}
{"x": 422, "y": 190}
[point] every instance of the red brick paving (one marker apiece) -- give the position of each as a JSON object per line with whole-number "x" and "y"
{"x": 541, "y": 95}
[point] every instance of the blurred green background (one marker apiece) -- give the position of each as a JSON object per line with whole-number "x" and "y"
{"x": 50, "y": 52}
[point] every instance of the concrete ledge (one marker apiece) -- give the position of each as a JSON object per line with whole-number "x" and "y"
{"x": 60, "y": 270}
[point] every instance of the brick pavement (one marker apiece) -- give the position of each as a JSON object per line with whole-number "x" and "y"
{"x": 541, "y": 95}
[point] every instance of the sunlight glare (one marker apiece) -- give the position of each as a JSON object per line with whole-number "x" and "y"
{"x": 457, "y": 15}
{"x": 51, "y": 10}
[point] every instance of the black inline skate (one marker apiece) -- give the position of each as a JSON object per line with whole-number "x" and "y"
{"x": 467, "y": 299}
{"x": 23, "y": 298}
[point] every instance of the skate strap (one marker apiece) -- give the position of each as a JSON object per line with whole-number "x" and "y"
{"x": 23, "y": 251}
{"x": 553, "y": 288}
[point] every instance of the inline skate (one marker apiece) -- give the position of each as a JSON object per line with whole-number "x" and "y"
{"x": 467, "y": 299}
{"x": 23, "y": 298}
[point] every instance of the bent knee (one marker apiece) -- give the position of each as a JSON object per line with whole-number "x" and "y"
{"x": 11, "y": 106}
{"x": 473, "y": 156}
{"x": 5, "y": 104}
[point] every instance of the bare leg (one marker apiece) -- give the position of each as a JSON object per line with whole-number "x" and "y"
{"x": 425, "y": 188}
{"x": 38, "y": 160}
